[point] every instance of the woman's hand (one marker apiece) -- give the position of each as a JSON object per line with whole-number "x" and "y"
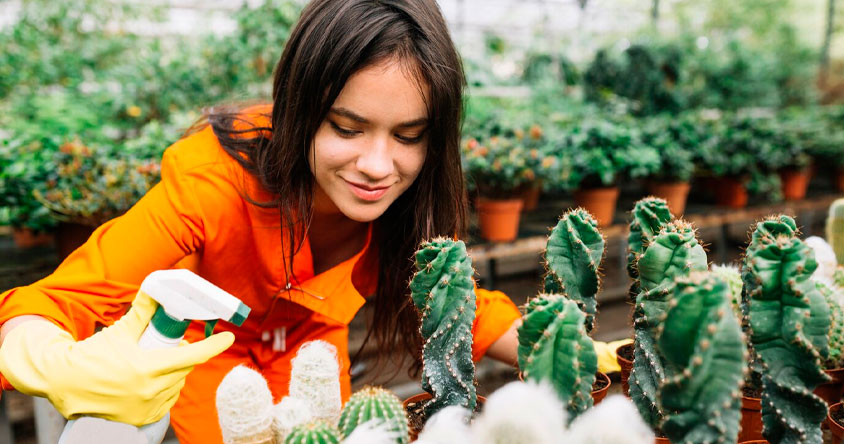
{"x": 106, "y": 375}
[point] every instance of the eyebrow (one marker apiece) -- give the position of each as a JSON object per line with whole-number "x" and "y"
{"x": 360, "y": 119}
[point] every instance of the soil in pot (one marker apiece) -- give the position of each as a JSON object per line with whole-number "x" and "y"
{"x": 730, "y": 192}
{"x": 835, "y": 422}
{"x": 624, "y": 357}
{"x": 795, "y": 182}
{"x": 499, "y": 219}
{"x": 675, "y": 193}
{"x": 600, "y": 202}
{"x": 416, "y": 418}
{"x": 600, "y": 388}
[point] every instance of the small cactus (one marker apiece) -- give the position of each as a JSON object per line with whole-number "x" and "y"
{"x": 731, "y": 275}
{"x": 554, "y": 347}
{"x": 244, "y": 407}
{"x": 835, "y": 229}
{"x": 572, "y": 257}
{"x": 789, "y": 322}
{"x": 315, "y": 379}
{"x": 374, "y": 403}
{"x": 836, "y": 328}
{"x": 704, "y": 355}
{"x": 314, "y": 432}
{"x": 650, "y": 215}
{"x": 444, "y": 294}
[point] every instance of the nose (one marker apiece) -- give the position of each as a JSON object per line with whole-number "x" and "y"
{"x": 376, "y": 160}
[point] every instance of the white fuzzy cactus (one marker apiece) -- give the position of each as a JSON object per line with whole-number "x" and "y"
{"x": 371, "y": 432}
{"x": 614, "y": 420}
{"x": 315, "y": 379}
{"x": 289, "y": 413}
{"x": 244, "y": 407}
{"x": 520, "y": 413}
{"x": 448, "y": 426}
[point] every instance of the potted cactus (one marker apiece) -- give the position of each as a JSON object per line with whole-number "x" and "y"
{"x": 375, "y": 404}
{"x": 443, "y": 292}
{"x": 317, "y": 431}
{"x": 833, "y": 365}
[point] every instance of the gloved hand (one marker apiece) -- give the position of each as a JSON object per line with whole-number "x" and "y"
{"x": 606, "y": 355}
{"x": 106, "y": 375}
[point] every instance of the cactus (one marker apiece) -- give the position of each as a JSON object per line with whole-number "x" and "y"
{"x": 731, "y": 275}
{"x": 520, "y": 413}
{"x": 315, "y": 379}
{"x": 374, "y": 403}
{"x": 444, "y": 294}
{"x": 789, "y": 322}
{"x": 704, "y": 355}
{"x": 836, "y": 328}
{"x": 572, "y": 258}
{"x": 673, "y": 253}
{"x": 244, "y": 407}
{"x": 835, "y": 229}
{"x": 554, "y": 347}
{"x": 314, "y": 432}
{"x": 650, "y": 215}
{"x": 615, "y": 420}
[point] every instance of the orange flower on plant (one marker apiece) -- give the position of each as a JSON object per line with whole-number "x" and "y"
{"x": 535, "y": 132}
{"x": 534, "y": 153}
{"x": 548, "y": 162}
{"x": 520, "y": 133}
{"x": 529, "y": 175}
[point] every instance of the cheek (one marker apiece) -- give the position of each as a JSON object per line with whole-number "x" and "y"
{"x": 328, "y": 153}
{"x": 410, "y": 162}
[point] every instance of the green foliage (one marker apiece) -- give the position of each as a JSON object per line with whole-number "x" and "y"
{"x": 554, "y": 347}
{"x": 572, "y": 258}
{"x": 789, "y": 322}
{"x": 704, "y": 352}
{"x": 374, "y": 403}
{"x": 444, "y": 294}
{"x": 677, "y": 139}
{"x": 500, "y": 166}
{"x": 314, "y": 432}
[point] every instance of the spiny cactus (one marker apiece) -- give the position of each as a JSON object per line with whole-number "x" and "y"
{"x": 520, "y": 413}
{"x": 731, "y": 275}
{"x": 374, "y": 403}
{"x": 673, "y": 253}
{"x": 554, "y": 347}
{"x": 704, "y": 352}
{"x": 650, "y": 215}
{"x": 572, "y": 258}
{"x": 789, "y": 322}
{"x": 315, "y": 379}
{"x": 835, "y": 229}
{"x": 314, "y": 432}
{"x": 444, "y": 294}
{"x": 244, "y": 407}
{"x": 836, "y": 328}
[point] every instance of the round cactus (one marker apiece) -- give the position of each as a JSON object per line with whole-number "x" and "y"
{"x": 732, "y": 276}
{"x": 378, "y": 404}
{"x": 554, "y": 347}
{"x": 314, "y": 432}
{"x": 788, "y": 322}
{"x": 572, "y": 258}
{"x": 704, "y": 354}
{"x": 444, "y": 294}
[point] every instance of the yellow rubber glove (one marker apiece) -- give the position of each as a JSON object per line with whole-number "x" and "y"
{"x": 106, "y": 375}
{"x": 606, "y": 355}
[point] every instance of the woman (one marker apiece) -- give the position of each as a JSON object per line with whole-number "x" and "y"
{"x": 301, "y": 209}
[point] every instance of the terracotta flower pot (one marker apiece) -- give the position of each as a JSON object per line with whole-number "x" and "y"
{"x": 26, "y": 238}
{"x": 831, "y": 391}
{"x": 626, "y": 365}
{"x": 499, "y": 219}
{"x": 414, "y": 428}
{"x": 839, "y": 180}
{"x": 675, "y": 193}
{"x": 730, "y": 192}
{"x": 530, "y": 196}
{"x": 600, "y": 202}
{"x": 70, "y": 236}
{"x": 795, "y": 182}
{"x": 751, "y": 419}
{"x": 600, "y": 394}
{"x": 836, "y": 429}
{"x": 755, "y": 441}
{"x": 659, "y": 440}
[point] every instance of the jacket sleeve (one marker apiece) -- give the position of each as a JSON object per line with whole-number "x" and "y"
{"x": 97, "y": 282}
{"x": 494, "y": 315}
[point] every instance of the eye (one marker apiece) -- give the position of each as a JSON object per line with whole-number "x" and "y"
{"x": 343, "y": 132}
{"x": 411, "y": 139}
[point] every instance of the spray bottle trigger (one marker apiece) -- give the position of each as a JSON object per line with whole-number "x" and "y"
{"x": 209, "y": 327}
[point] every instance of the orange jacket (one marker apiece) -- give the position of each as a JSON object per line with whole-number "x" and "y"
{"x": 197, "y": 218}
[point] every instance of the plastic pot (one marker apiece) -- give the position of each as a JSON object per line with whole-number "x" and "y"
{"x": 600, "y": 202}
{"x": 836, "y": 429}
{"x": 831, "y": 391}
{"x": 499, "y": 218}
{"x": 730, "y": 192}
{"x": 751, "y": 419}
{"x": 626, "y": 365}
{"x": 675, "y": 193}
{"x": 795, "y": 182}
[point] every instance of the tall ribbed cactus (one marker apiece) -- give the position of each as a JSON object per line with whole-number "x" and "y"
{"x": 836, "y": 328}
{"x": 674, "y": 252}
{"x": 554, "y": 346}
{"x": 835, "y": 229}
{"x": 732, "y": 276}
{"x": 649, "y": 216}
{"x": 374, "y": 403}
{"x": 444, "y": 294}
{"x": 704, "y": 352}
{"x": 314, "y": 432}
{"x": 789, "y": 322}
{"x": 572, "y": 258}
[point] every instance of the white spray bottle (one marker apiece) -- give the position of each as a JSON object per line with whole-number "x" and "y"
{"x": 182, "y": 296}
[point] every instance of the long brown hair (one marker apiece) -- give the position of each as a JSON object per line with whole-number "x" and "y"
{"x": 332, "y": 40}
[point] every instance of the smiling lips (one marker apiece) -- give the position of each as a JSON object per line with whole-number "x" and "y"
{"x": 366, "y": 192}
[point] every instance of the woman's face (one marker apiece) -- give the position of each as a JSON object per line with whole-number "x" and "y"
{"x": 372, "y": 144}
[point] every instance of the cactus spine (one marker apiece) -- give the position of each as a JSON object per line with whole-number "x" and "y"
{"x": 572, "y": 257}
{"x": 314, "y": 432}
{"x": 374, "y": 403}
{"x": 704, "y": 352}
{"x": 789, "y": 322}
{"x": 444, "y": 294}
{"x": 673, "y": 253}
{"x": 554, "y": 346}
{"x": 650, "y": 215}
{"x": 835, "y": 229}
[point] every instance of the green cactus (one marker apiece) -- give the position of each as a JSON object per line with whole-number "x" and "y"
{"x": 374, "y": 403}
{"x": 674, "y": 252}
{"x": 554, "y": 346}
{"x": 444, "y": 294}
{"x": 572, "y": 258}
{"x": 835, "y": 229}
{"x": 650, "y": 215}
{"x": 732, "y": 276}
{"x": 836, "y": 328}
{"x": 314, "y": 432}
{"x": 704, "y": 352}
{"x": 788, "y": 321}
